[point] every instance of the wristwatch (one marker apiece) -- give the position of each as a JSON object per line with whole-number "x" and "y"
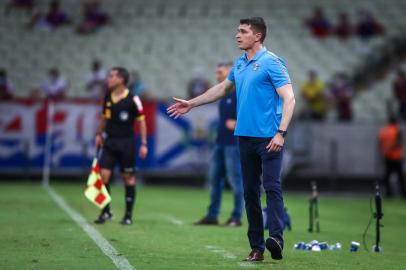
{"x": 282, "y": 132}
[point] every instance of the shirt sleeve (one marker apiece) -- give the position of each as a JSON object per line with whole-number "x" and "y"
{"x": 139, "y": 109}
{"x": 230, "y": 76}
{"x": 105, "y": 113}
{"x": 233, "y": 109}
{"x": 278, "y": 72}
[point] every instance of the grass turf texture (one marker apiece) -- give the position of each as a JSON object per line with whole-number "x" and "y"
{"x": 36, "y": 234}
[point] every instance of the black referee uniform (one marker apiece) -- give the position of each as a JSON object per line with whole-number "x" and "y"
{"x": 119, "y": 144}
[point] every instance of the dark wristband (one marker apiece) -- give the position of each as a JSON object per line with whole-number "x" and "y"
{"x": 282, "y": 132}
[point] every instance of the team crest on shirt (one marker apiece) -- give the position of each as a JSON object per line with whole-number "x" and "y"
{"x": 228, "y": 100}
{"x": 238, "y": 66}
{"x": 123, "y": 116}
{"x": 256, "y": 67}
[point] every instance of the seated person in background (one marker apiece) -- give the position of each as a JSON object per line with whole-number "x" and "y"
{"x": 368, "y": 26}
{"x": 198, "y": 84}
{"x": 54, "y": 86}
{"x": 343, "y": 29}
{"x": 342, "y": 93}
{"x": 318, "y": 24}
{"x": 54, "y": 18}
{"x": 399, "y": 91}
{"x": 313, "y": 92}
{"x": 19, "y": 4}
{"x": 6, "y": 86}
{"x": 96, "y": 81}
{"x": 93, "y": 18}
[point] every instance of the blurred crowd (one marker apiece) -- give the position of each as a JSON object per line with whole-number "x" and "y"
{"x": 93, "y": 16}
{"x": 337, "y": 95}
{"x": 56, "y": 86}
{"x": 320, "y": 97}
{"x": 321, "y": 26}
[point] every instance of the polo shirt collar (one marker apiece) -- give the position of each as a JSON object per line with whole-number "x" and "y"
{"x": 257, "y": 55}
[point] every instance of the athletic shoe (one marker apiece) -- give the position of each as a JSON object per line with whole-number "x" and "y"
{"x": 275, "y": 247}
{"x": 255, "y": 256}
{"x": 233, "y": 222}
{"x": 126, "y": 221}
{"x": 104, "y": 217}
{"x": 207, "y": 221}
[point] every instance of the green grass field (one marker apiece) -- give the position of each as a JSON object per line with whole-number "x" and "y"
{"x": 37, "y": 234}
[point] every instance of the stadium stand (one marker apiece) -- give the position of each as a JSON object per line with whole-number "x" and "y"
{"x": 191, "y": 34}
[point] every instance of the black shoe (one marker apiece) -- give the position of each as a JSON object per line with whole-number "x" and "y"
{"x": 104, "y": 217}
{"x": 126, "y": 220}
{"x": 233, "y": 222}
{"x": 207, "y": 221}
{"x": 275, "y": 247}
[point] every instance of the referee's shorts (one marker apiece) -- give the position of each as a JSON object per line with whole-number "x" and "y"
{"x": 119, "y": 151}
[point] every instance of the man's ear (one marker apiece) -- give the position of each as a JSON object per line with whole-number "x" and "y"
{"x": 258, "y": 36}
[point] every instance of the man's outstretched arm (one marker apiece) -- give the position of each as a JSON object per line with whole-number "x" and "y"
{"x": 218, "y": 91}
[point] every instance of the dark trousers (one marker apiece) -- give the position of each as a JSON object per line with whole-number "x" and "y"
{"x": 257, "y": 162}
{"x": 394, "y": 166}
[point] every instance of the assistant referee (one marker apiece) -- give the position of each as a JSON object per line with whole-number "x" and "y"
{"x": 120, "y": 110}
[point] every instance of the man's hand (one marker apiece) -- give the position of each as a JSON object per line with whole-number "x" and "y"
{"x": 230, "y": 124}
{"x": 180, "y": 107}
{"x": 276, "y": 143}
{"x": 99, "y": 141}
{"x": 143, "y": 152}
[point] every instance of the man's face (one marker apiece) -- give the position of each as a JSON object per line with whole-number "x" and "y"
{"x": 222, "y": 72}
{"x": 113, "y": 80}
{"x": 245, "y": 37}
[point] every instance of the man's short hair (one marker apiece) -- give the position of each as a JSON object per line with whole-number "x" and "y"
{"x": 122, "y": 73}
{"x": 257, "y": 25}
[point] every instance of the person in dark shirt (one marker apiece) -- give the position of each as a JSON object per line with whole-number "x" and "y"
{"x": 343, "y": 30}
{"x": 54, "y": 18}
{"x": 120, "y": 109}
{"x": 225, "y": 163}
{"x": 93, "y": 17}
{"x": 319, "y": 24}
{"x": 6, "y": 86}
{"x": 368, "y": 26}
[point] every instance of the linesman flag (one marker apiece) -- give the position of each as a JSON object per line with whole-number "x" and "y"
{"x": 96, "y": 191}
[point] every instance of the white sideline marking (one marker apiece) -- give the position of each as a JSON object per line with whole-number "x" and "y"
{"x": 170, "y": 218}
{"x": 246, "y": 264}
{"x": 120, "y": 261}
{"x": 226, "y": 254}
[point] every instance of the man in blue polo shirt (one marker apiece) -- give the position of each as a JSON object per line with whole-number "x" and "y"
{"x": 265, "y": 105}
{"x": 225, "y": 162}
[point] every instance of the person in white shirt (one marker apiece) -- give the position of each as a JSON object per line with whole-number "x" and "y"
{"x": 54, "y": 86}
{"x": 96, "y": 81}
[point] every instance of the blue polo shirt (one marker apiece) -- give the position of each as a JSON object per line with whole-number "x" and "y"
{"x": 227, "y": 110}
{"x": 259, "y": 107}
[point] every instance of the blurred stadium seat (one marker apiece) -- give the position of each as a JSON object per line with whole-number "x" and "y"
{"x": 167, "y": 40}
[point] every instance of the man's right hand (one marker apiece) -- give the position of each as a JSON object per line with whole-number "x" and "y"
{"x": 99, "y": 141}
{"x": 180, "y": 107}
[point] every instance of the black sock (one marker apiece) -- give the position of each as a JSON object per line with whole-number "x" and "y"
{"x": 129, "y": 200}
{"x": 106, "y": 209}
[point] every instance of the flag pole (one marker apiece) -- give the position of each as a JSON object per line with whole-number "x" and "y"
{"x": 48, "y": 144}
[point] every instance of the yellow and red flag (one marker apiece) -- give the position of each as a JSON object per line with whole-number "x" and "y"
{"x": 96, "y": 191}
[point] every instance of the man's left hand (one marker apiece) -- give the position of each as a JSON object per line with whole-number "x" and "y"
{"x": 143, "y": 151}
{"x": 276, "y": 144}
